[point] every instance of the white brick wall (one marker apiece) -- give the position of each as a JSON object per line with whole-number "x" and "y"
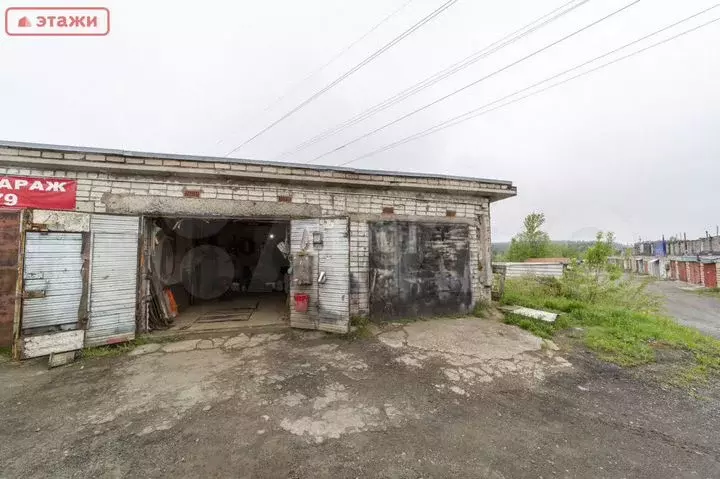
{"x": 333, "y": 200}
{"x": 359, "y": 285}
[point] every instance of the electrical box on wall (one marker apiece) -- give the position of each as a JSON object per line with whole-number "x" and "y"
{"x": 303, "y": 269}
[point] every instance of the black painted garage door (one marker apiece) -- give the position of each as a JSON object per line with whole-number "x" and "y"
{"x": 419, "y": 269}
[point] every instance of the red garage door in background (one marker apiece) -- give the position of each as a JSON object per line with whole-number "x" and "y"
{"x": 710, "y": 273}
{"x": 682, "y": 271}
{"x": 695, "y": 276}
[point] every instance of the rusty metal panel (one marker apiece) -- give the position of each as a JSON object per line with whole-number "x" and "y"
{"x": 682, "y": 271}
{"x": 68, "y": 221}
{"x": 419, "y": 269}
{"x": 52, "y": 277}
{"x": 9, "y": 247}
{"x": 710, "y": 275}
{"x": 334, "y": 263}
{"x": 113, "y": 279}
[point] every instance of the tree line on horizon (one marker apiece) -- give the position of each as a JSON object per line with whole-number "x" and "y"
{"x": 533, "y": 242}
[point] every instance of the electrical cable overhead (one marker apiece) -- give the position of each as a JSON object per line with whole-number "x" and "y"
{"x": 482, "y": 110}
{"x": 441, "y": 75}
{"x": 332, "y": 60}
{"x": 472, "y": 84}
{"x": 354, "y": 69}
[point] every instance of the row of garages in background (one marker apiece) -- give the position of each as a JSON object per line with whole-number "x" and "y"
{"x": 697, "y": 270}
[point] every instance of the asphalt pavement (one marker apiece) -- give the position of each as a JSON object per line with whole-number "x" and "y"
{"x": 689, "y": 307}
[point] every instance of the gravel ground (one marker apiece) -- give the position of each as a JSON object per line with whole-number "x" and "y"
{"x": 446, "y": 398}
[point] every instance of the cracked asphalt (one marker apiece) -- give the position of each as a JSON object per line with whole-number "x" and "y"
{"x": 442, "y": 398}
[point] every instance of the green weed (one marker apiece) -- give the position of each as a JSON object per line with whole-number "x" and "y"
{"x": 114, "y": 350}
{"x": 482, "y": 309}
{"x": 708, "y": 291}
{"x": 360, "y": 328}
{"x": 627, "y": 331}
{"x": 539, "y": 328}
{"x": 109, "y": 351}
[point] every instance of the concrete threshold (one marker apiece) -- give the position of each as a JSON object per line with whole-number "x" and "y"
{"x": 214, "y": 333}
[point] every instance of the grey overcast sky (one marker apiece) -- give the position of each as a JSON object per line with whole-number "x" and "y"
{"x": 632, "y": 148}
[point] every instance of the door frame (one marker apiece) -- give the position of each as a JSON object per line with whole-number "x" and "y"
{"x": 144, "y": 286}
{"x": 315, "y": 289}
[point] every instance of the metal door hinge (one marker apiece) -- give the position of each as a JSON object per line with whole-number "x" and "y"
{"x": 34, "y": 294}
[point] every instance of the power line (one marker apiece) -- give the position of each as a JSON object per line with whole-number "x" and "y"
{"x": 472, "y": 84}
{"x": 332, "y": 60}
{"x": 354, "y": 69}
{"x": 441, "y": 75}
{"x": 479, "y": 111}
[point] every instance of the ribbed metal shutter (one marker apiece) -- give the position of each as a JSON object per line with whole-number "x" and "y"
{"x": 518, "y": 270}
{"x": 334, "y": 260}
{"x": 302, "y": 231}
{"x": 329, "y": 301}
{"x": 113, "y": 279}
{"x": 52, "y": 279}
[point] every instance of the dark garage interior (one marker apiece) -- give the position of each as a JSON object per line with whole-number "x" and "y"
{"x": 209, "y": 274}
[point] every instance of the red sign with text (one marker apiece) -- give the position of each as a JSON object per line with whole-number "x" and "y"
{"x": 45, "y": 193}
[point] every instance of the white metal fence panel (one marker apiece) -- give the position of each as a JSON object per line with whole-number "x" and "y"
{"x": 518, "y": 270}
{"x": 52, "y": 279}
{"x": 113, "y": 279}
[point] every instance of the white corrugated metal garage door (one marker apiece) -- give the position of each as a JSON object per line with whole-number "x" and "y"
{"x": 301, "y": 234}
{"x": 52, "y": 280}
{"x": 329, "y": 302}
{"x": 113, "y": 279}
{"x": 334, "y": 260}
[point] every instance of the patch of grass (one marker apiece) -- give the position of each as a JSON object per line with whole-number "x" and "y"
{"x": 708, "y": 291}
{"x": 6, "y": 351}
{"x": 360, "y": 328}
{"x": 114, "y": 350}
{"x": 482, "y": 309}
{"x": 538, "y": 295}
{"x": 624, "y": 335}
{"x": 539, "y": 328}
{"x": 109, "y": 351}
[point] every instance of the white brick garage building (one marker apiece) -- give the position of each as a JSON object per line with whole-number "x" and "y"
{"x": 380, "y": 244}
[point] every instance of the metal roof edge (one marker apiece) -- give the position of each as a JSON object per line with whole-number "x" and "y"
{"x": 221, "y": 159}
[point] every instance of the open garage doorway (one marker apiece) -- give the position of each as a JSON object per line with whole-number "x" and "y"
{"x": 209, "y": 275}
